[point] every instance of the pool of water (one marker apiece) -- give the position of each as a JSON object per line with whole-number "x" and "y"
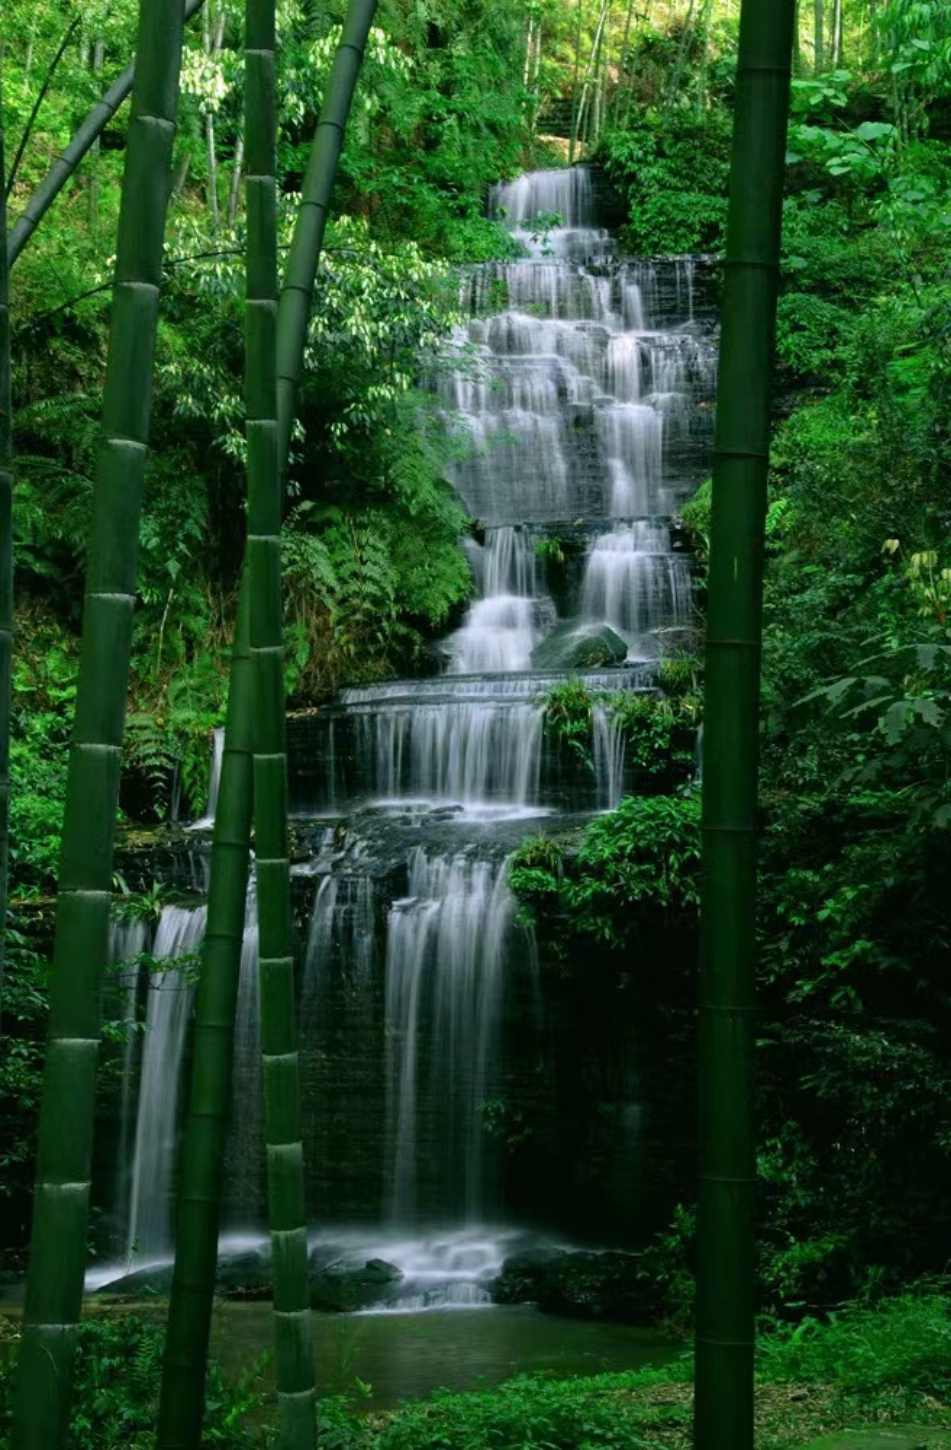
{"x": 407, "y": 1356}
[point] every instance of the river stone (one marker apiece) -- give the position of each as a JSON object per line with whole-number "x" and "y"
{"x": 574, "y": 647}
{"x": 585, "y": 1285}
{"x": 347, "y": 1285}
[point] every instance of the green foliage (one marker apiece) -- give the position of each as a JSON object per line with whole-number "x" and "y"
{"x": 640, "y": 858}
{"x": 568, "y": 708}
{"x": 660, "y": 732}
{"x": 529, "y": 1413}
{"x": 902, "y": 1341}
{"x": 655, "y": 164}
{"x": 116, "y": 1383}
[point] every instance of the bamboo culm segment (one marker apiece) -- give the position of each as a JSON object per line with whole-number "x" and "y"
{"x": 6, "y": 556}
{"x": 206, "y": 1125}
{"x": 294, "y": 1353}
{"x": 725, "y": 1247}
{"x": 298, "y": 290}
{"x": 201, "y": 1179}
{"x": 66, "y": 165}
{"x": 58, "y": 1250}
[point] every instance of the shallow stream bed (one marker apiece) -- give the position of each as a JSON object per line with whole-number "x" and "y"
{"x": 407, "y": 1356}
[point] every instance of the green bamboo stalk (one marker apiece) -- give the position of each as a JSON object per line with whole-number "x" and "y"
{"x": 287, "y": 1215}
{"x": 66, "y": 165}
{"x": 300, "y": 273}
{"x": 61, "y": 1199}
{"x": 190, "y": 1304}
{"x": 6, "y": 553}
{"x": 205, "y": 1136}
{"x": 725, "y": 1235}
{"x": 575, "y": 80}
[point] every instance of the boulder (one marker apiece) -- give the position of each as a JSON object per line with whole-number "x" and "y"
{"x": 580, "y": 647}
{"x": 155, "y": 1279}
{"x": 607, "y": 1285}
{"x": 346, "y": 1285}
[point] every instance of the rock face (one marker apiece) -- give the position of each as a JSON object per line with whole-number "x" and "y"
{"x": 575, "y": 648}
{"x": 602, "y": 1286}
{"x": 347, "y": 1285}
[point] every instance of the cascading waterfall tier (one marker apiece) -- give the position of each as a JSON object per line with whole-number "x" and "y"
{"x": 446, "y": 950}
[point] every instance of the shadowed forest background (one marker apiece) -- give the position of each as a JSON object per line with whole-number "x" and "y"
{"x": 854, "y": 1034}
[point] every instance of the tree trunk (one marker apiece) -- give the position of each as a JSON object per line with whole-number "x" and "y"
{"x": 61, "y": 1198}
{"x": 6, "y": 553}
{"x": 819, "y": 37}
{"x": 298, "y": 289}
{"x": 66, "y": 165}
{"x": 575, "y": 81}
{"x": 591, "y": 74}
{"x": 705, "y": 26}
{"x": 622, "y": 64}
{"x": 203, "y": 1142}
{"x": 98, "y": 56}
{"x": 234, "y": 191}
{"x": 725, "y": 1235}
{"x": 837, "y": 35}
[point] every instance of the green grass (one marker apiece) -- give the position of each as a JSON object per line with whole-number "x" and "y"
{"x": 874, "y": 1364}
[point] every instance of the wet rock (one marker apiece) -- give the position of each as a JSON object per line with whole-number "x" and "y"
{"x": 585, "y": 1285}
{"x": 245, "y": 1276}
{"x": 347, "y": 1285}
{"x": 574, "y": 647}
{"x": 140, "y": 1284}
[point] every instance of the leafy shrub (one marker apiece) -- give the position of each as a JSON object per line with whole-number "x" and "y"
{"x": 568, "y": 708}
{"x": 655, "y": 164}
{"x": 903, "y": 1341}
{"x": 116, "y": 1387}
{"x": 660, "y": 733}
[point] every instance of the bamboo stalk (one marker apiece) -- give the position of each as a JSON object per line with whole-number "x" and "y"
{"x": 205, "y": 1135}
{"x": 61, "y": 1199}
{"x": 190, "y": 1304}
{"x": 66, "y": 165}
{"x": 287, "y": 1216}
{"x": 725, "y": 1234}
{"x": 573, "y": 127}
{"x": 298, "y": 290}
{"x": 6, "y": 554}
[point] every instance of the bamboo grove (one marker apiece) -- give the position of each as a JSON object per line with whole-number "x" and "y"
{"x": 583, "y": 73}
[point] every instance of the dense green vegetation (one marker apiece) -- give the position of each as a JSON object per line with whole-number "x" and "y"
{"x": 854, "y": 1060}
{"x": 885, "y": 1363}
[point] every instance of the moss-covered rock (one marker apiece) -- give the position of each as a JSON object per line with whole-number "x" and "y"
{"x": 585, "y": 1285}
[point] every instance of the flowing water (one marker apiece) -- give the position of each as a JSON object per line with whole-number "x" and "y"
{"x": 579, "y": 390}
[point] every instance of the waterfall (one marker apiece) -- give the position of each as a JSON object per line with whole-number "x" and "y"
{"x": 502, "y": 627}
{"x": 178, "y": 934}
{"x": 608, "y": 757}
{"x": 244, "y": 1159}
{"x": 462, "y": 751}
{"x": 577, "y": 394}
{"x": 444, "y": 975}
{"x": 127, "y": 941}
{"x": 207, "y": 820}
{"x": 634, "y": 583}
